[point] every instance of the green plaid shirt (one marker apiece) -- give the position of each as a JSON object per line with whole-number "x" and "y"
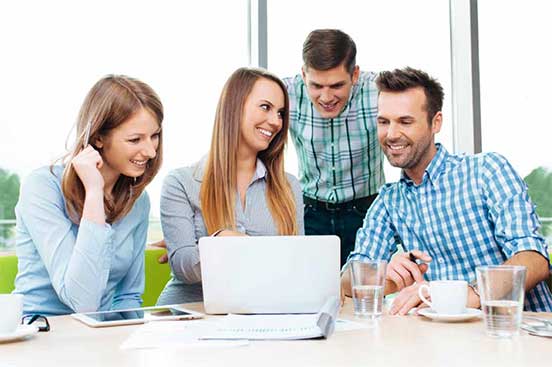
{"x": 339, "y": 159}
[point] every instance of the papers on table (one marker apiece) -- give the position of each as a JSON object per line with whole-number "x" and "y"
{"x": 278, "y": 327}
{"x": 237, "y": 330}
{"x": 176, "y": 334}
{"x": 266, "y": 327}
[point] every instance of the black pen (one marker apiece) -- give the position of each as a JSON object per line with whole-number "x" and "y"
{"x": 412, "y": 258}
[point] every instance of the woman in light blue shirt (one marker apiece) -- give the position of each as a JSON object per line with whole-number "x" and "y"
{"x": 82, "y": 226}
{"x": 240, "y": 188}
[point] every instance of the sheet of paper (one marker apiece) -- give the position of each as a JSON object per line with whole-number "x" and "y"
{"x": 176, "y": 334}
{"x": 266, "y": 327}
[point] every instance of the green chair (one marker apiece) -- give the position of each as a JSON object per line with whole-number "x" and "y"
{"x": 157, "y": 275}
{"x": 8, "y": 271}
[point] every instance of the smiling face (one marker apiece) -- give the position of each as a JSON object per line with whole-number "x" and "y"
{"x": 127, "y": 148}
{"x": 404, "y": 132}
{"x": 262, "y": 119}
{"x": 329, "y": 90}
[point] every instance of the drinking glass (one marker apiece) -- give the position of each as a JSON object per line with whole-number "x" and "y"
{"x": 502, "y": 290}
{"x": 367, "y": 283}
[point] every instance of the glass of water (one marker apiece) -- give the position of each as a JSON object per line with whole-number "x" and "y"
{"x": 367, "y": 285}
{"x": 502, "y": 290}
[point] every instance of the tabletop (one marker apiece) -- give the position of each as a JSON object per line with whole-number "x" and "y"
{"x": 392, "y": 341}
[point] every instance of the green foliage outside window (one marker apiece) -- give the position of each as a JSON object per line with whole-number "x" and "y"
{"x": 539, "y": 182}
{"x": 9, "y": 194}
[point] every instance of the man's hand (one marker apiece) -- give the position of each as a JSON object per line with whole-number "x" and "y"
{"x": 403, "y": 272}
{"x": 407, "y": 299}
{"x": 161, "y": 244}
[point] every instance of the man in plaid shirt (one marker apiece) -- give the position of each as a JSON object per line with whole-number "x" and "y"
{"x": 453, "y": 212}
{"x": 333, "y": 109}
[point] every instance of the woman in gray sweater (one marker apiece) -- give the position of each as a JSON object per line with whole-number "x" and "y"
{"x": 239, "y": 188}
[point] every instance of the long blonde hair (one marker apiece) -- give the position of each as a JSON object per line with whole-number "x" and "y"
{"x": 218, "y": 189}
{"x": 111, "y": 101}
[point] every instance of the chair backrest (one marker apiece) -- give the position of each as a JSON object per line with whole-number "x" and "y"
{"x": 157, "y": 275}
{"x": 8, "y": 271}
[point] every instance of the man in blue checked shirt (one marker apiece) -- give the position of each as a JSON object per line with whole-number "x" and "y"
{"x": 452, "y": 212}
{"x": 333, "y": 107}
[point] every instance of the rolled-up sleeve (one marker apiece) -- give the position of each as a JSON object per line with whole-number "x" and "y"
{"x": 515, "y": 221}
{"x": 177, "y": 220}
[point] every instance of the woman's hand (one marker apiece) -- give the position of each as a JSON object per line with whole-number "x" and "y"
{"x": 87, "y": 165}
{"x": 230, "y": 233}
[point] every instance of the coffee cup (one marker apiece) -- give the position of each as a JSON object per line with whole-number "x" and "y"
{"x": 447, "y": 296}
{"x": 11, "y": 309}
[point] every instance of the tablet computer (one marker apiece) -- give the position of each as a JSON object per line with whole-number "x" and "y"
{"x": 136, "y": 316}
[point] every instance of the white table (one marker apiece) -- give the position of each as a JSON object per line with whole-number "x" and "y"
{"x": 396, "y": 341}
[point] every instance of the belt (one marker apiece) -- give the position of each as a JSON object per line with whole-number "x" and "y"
{"x": 360, "y": 202}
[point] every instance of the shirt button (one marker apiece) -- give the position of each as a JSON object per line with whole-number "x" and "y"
{"x": 333, "y": 168}
{"x": 441, "y": 260}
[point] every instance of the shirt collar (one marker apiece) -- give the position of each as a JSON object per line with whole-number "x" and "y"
{"x": 199, "y": 169}
{"x": 434, "y": 168}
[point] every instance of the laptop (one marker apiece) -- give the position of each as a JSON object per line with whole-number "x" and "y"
{"x": 271, "y": 274}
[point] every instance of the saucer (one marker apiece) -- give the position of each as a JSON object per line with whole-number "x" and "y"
{"x": 21, "y": 332}
{"x": 468, "y": 315}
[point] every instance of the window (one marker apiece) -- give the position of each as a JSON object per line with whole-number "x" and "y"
{"x": 515, "y": 92}
{"x": 56, "y": 51}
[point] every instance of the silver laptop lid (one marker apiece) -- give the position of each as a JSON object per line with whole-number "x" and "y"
{"x": 272, "y": 274}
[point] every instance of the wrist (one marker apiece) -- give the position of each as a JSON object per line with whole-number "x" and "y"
{"x": 390, "y": 287}
{"x": 93, "y": 193}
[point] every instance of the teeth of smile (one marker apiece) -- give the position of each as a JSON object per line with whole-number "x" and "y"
{"x": 265, "y": 132}
{"x": 396, "y": 147}
{"x": 139, "y": 163}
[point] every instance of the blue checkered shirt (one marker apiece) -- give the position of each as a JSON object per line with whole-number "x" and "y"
{"x": 340, "y": 159}
{"x": 468, "y": 211}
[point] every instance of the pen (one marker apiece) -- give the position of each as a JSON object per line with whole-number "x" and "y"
{"x": 412, "y": 257}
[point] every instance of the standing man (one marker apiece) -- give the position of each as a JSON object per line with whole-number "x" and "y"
{"x": 454, "y": 212}
{"x": 333, "y": 108}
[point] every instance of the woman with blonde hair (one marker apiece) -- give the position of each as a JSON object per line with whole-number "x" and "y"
{"x": 82, "y": 225}
{"x": 240, "y": 188}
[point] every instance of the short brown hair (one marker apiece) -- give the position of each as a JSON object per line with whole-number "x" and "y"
{"x": 325, "y": 49}
{"x": 400, "y": 80}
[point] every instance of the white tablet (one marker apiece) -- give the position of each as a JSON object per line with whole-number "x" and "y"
{"x": 136, "y": 316}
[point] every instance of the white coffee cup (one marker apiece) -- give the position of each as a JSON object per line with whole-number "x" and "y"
{"x": 11, "y": 309}
{"x": 447, "y": 296}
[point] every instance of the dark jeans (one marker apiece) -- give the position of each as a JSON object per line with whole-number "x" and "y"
{"x": 343, "y": 222}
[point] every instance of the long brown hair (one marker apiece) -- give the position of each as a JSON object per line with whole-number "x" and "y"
{"x": 111, "y": 101}
{"x": 218, "y": 189}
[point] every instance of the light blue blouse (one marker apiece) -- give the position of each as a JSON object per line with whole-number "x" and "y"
{"x": 64, "y": 267}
